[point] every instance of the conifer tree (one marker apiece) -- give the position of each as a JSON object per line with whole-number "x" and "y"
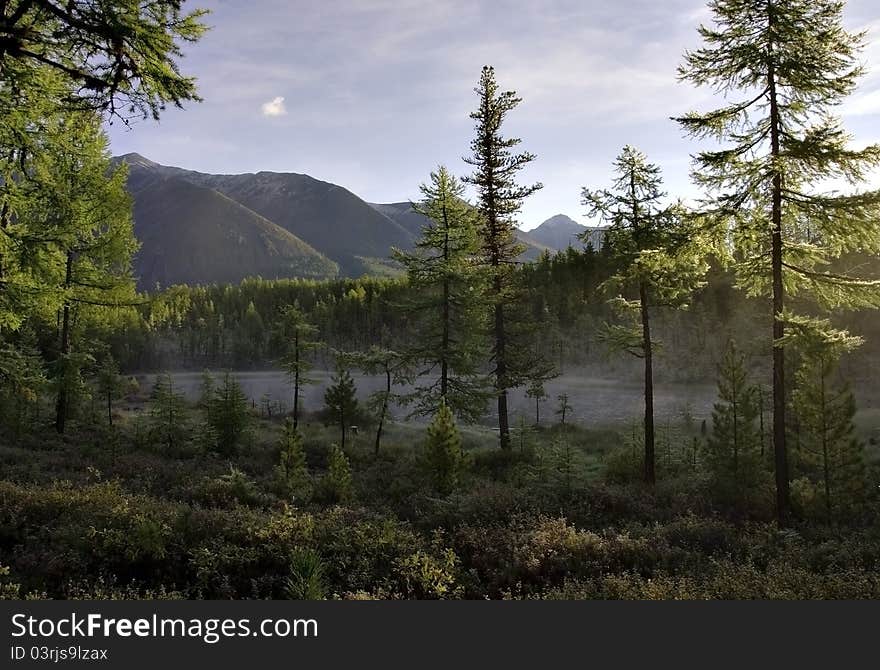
{"x": 300, "y": 338}
{"x": 110, "y": 384}
{"x": 660, "y": 261}
{"x": 117, "y": 55}
{"x": 830, "y": 452}
{"x": 733, "y": 454}
{"x": 790, "y": 62}
{"x": 293, "y": 472}
{"x": 563, "y": 407}
{"x": 169, "y": 420}
{"x": 499, "y": 201}
{"x": 443, "y": 455}
{"x": 341, "y": 400}
{"x": 228, "y": 414}
{"x": 446, "y": 303}
{"x": 537, "y": 391}
{"x": 338, "y": 479}
{"x": 393, "y": 367}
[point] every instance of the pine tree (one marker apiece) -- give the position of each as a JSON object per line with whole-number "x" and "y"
{"x": 830, "y": 452}
{"x": 341, "y": 400}
{"x": 300, "y": 338}
{"x": 537, "y": 391}
{"x": 563, "y": 407}
{"x": 446, "y": 303}
{"x": 338, "y": 479}
{"x": 733, "y": 455}
{"x": 110, "y": 384}
{"x": 499, "y": 200}
{"x": 22, "y": 384}
{"x": 169, "y": 418}
{"x": 293, "y": 473}
{"x": 393, "y": 367}
{"x": 118, "y": 55}
{"x": 793, "y": 63}
{"x": 660, "y": 261}
{"x": 443, "y": 455}
{"x": 228, "y": 414}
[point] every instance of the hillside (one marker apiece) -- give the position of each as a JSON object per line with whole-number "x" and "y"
{"x": 190, "y": 234}
{"x": 560, "y": 232}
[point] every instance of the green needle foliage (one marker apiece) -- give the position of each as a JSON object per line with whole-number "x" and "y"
{"x": 292, "y": 471}
{"x": 733, "y": 449}
{"x": 109, "y": 53}
{"x": 228, "y": 415}
{"x": 338, "y": 481}
{"x": 448, "y": 303}
{"x": 341, "y": 400}
{"x": 443, "y": 455}
{"x": 783, "y": 66}
{"x": 829, "y": 452}
{"x": 111, "y": 385}
{"x": 169, "y": 416}
{"x": 300, "y": 338}
{"x": 499, "y": 201}
{"x": 661, "y": 258}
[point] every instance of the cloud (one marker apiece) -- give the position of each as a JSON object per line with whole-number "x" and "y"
{"x": 275, "y": 107}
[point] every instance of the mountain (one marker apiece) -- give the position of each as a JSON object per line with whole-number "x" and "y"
{"x": 412, "y": 222}
{"x": 328, "y": 217}
{"x": 560, "y": 232}
{"x": 191, "y": 234}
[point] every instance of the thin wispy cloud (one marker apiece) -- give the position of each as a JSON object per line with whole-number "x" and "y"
{"x": 275, "y": 107}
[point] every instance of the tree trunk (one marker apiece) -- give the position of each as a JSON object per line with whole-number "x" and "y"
{"x": 110, "y": 408}
{"x": 296, "y": 378}
{"x": 384, "y": 410}
{"x": 63, "y": 395}
{"x": 650, "y": 475}
{"x": 444, "y": 362}
{"x": 780, "y": 450}
{"x": 501, "y": 373}
{"x": 342, "y": 425}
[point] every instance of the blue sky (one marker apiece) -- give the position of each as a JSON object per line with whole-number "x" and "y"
{"x": 374, "y": 94}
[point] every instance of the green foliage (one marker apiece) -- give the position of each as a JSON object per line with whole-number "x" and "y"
{"x": 130, "y": 65}
{"x": 111, "y": 385}
{"x": 293, "y": 473}
{"x": 829, "y": 454}
{"x": 338, "y": 483}
{"x": 563, "y": 407}
{"x": 307, "y": 575}
{"x": 169, "y": 415}
{"x": 299, "y": 337}
{"x": 442, "y": 453}
{"x": 22, "y": 385}
{"x": 733, "y": 449}
{"x": 447, "y": 288}
{"x": 227, "y": 413}
{"x": 341, "y": 401}
{"x": 499, "y": 199}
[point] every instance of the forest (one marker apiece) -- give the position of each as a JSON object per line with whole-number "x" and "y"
{"x": 455, "y": 427}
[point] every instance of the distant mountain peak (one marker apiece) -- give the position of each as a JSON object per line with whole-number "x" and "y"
{"x": 138, "y": 160}
{"x": 561, "y": 220}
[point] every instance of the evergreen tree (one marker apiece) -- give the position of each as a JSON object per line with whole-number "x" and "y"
{"x": 499, "y": 200}
{"x": 443, "y": 455}
{"x": 117, "y": 55}
{"x": 22, "y": 384}
{"x": 341, "y": 400}
{"x": 563, "y": 407}
{"x": 446, "y": 302}
{"x": 111, "y": 385}
{"x": 228, "y": 414}
{"x": 659, "y": 256}
{"x": 338, "y": 480}
{"x": 169, "y": 420}
{"x": 733, "y": 455}
{"x": 300, "y": 338}
{"x": 829, "y": 451}
{"x": 537, "y": 391}
{"x": 393, "y": 367}
{"x": 793, "y": 63}
{"x": 293, "y": 473}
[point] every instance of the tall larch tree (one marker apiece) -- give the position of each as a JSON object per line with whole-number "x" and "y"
{"x": 446, "y": 303}
{"x": 783, "y": 66}
{"x": 300, "y": 338}
{"x": 500, "y": 198}
{"x": 660, "y": 260}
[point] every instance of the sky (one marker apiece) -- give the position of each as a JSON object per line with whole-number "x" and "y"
{"x": 374, "y": 94}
